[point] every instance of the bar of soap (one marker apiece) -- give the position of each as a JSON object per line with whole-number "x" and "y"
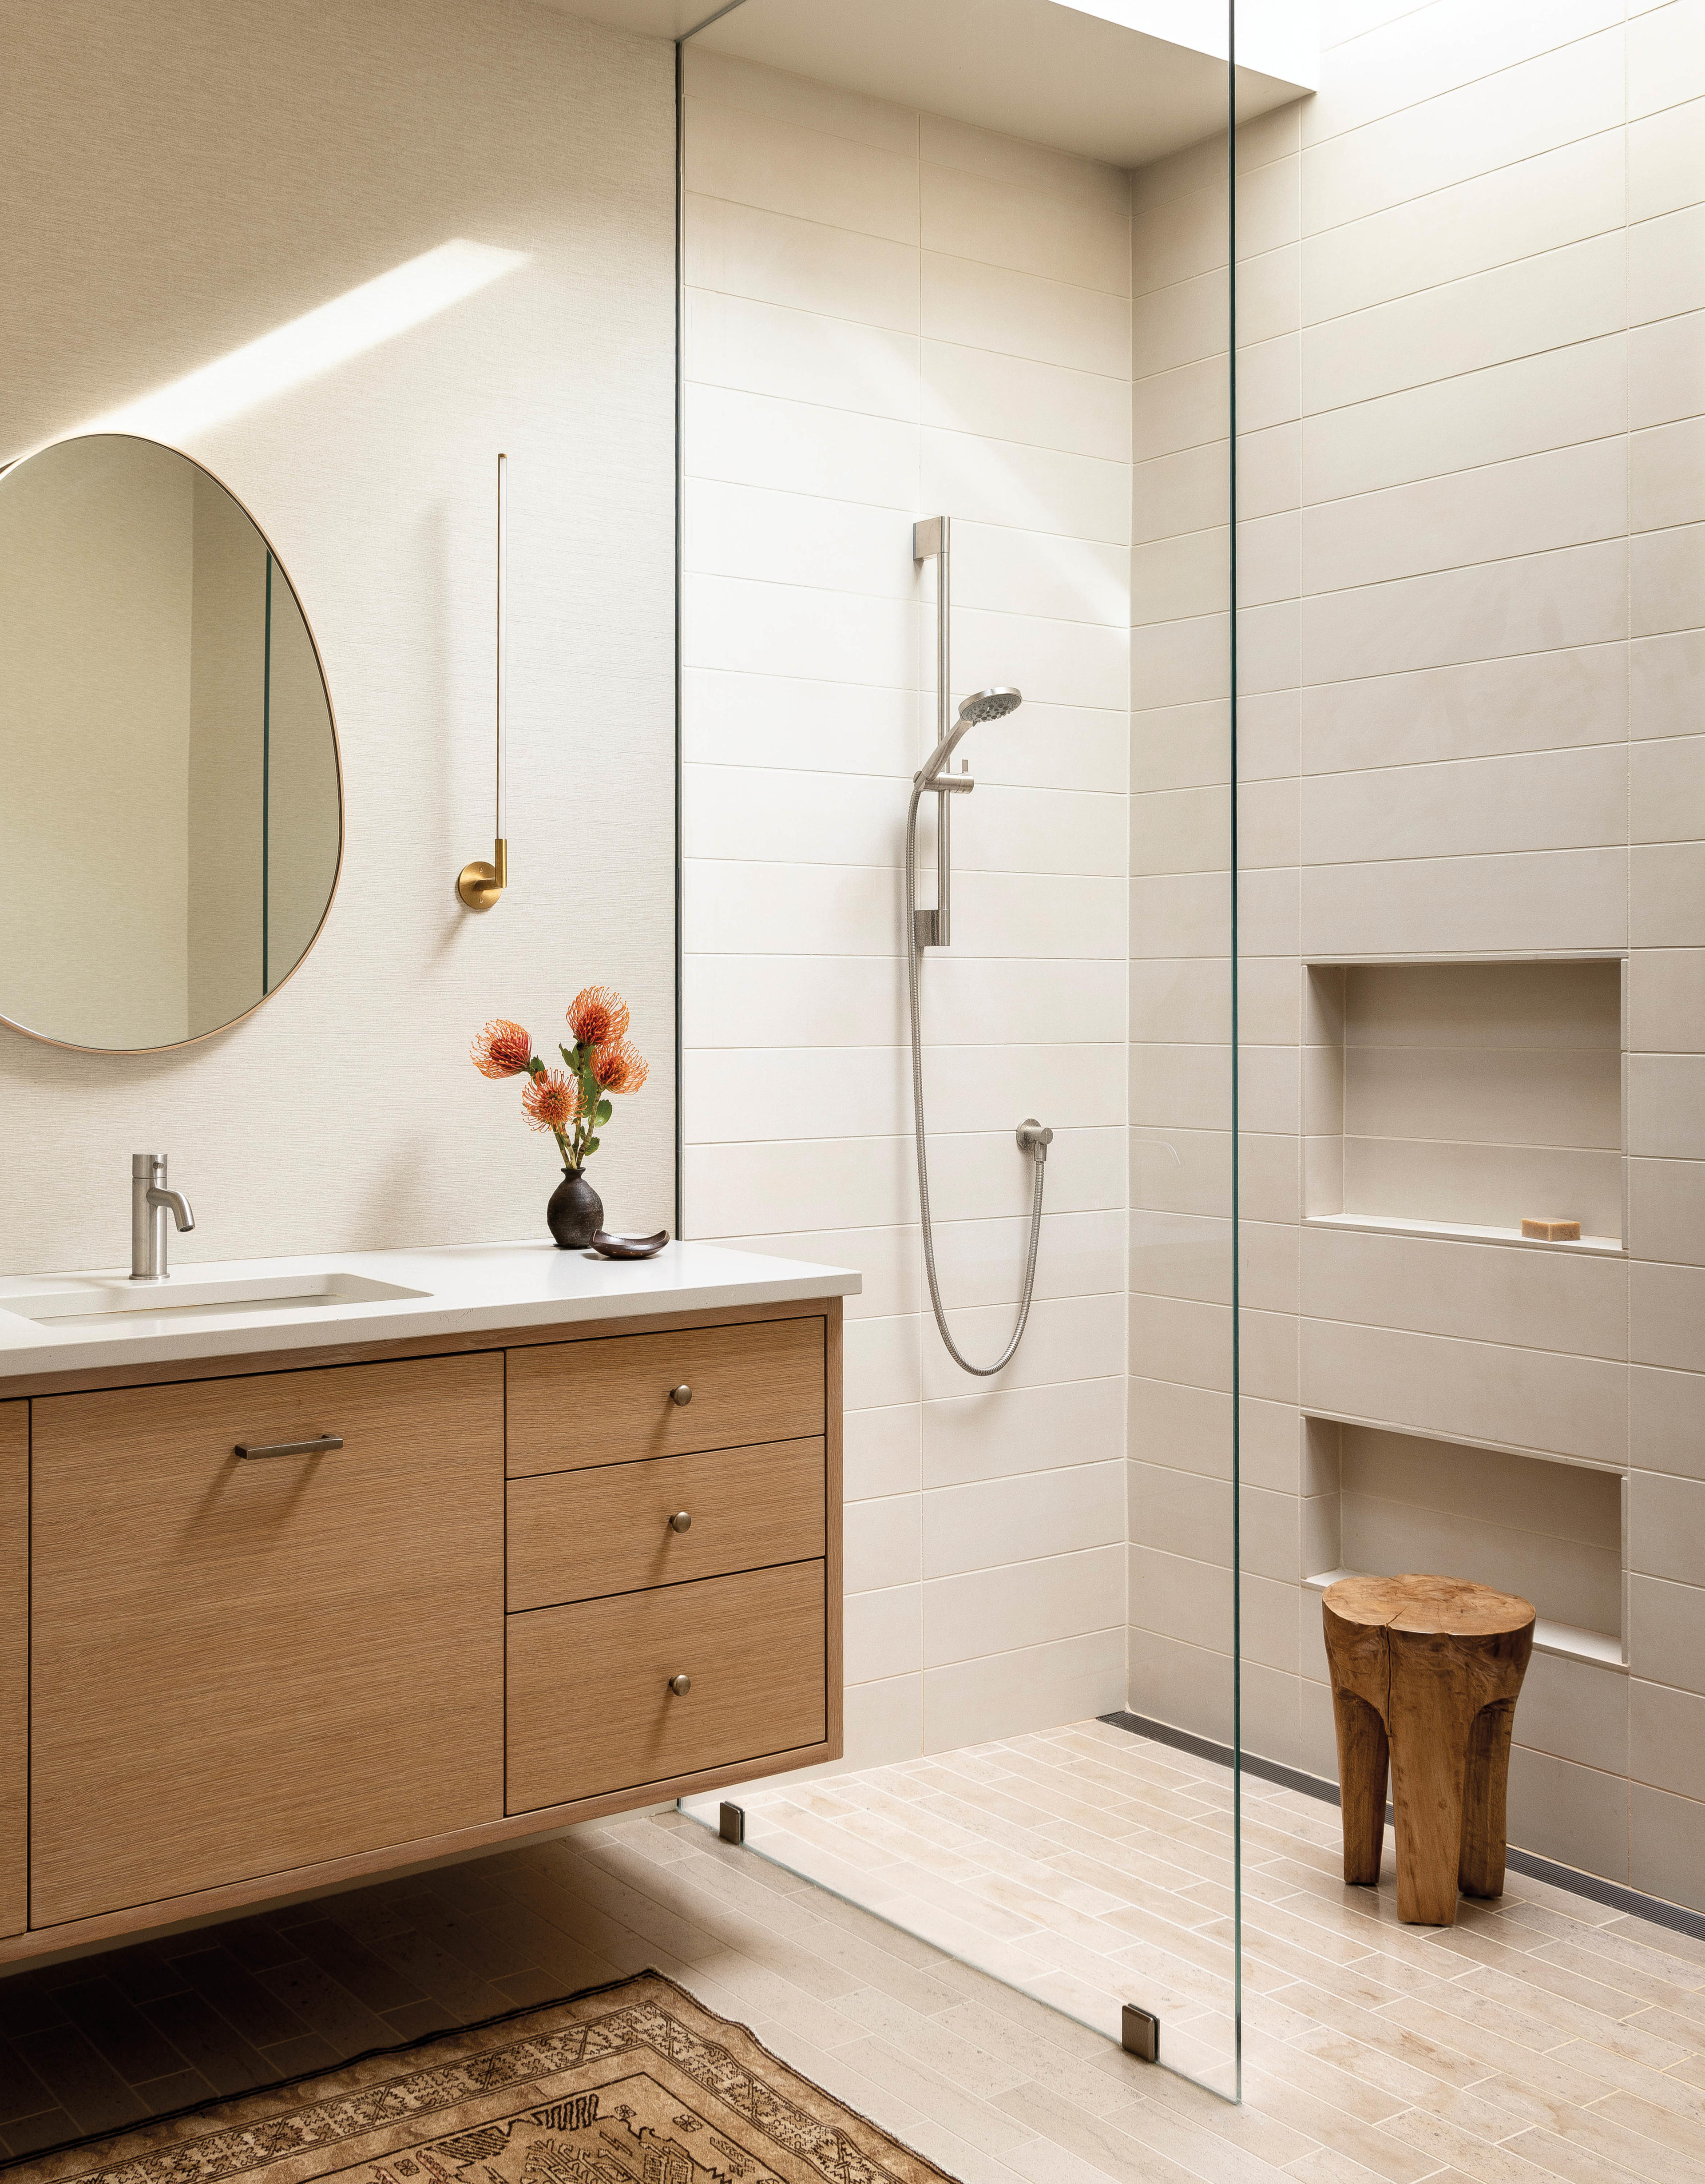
{"x": 1550, "y": 1232}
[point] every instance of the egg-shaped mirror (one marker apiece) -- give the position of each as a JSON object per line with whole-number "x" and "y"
{"x": 171, "y": 814}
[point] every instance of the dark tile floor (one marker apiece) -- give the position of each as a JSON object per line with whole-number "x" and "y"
{"x": 136, "y": 2032}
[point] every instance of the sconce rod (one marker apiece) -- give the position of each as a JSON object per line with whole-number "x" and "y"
{"x": 503, "y": 626}
{"x": 479, "y": 884}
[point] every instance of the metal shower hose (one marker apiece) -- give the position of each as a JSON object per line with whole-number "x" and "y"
{"x": 1038, "y": 1152}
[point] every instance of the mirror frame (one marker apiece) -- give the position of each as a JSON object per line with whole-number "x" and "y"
{"x": 198, "y": 1039}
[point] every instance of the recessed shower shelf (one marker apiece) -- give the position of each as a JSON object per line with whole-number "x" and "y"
{"x": 1603, "y": 1650}
{"x": 1391, "y": 1224}
{"x": 1458, "y": 1098}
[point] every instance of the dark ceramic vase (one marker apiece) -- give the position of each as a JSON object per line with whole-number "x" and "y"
{"x": 576, "y": 1211}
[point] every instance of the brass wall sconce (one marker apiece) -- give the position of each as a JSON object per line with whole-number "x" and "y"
{"x": 479, "y": 884}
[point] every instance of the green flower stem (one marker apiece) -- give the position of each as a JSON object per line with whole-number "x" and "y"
{"x": 596, "y": 1108}
{"x": 578, "y": 1062}
{"x": 535, "y": 1068}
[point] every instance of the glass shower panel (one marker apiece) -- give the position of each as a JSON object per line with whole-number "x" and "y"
{"x": 957, "y": 275}
{"x": 1183, "y": 1576}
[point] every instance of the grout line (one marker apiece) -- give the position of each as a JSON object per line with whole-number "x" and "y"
{"x": 1404, "y": 765}
{"x": 1338, "y": 318}
{"x": 1493, "y": 1524}
{"x": 1468, "y": 83}
{"x": 875, "y": 956}
{"x": 1449, "y": 857}
{"x": 895, "y": 781}
{"x": 1675, "y": 1917}
{"x": 1382, "y": 584}
{"x": 910, "y": 692}
{"x": 1085, "y": 1048}
{"x": 1451, "y": 477}
{"x": 911, "y": 603}
{"x": 913, "y": 246}
{"x": 841, "y": 500}
{"x": 1382, "y": 675}
{"x": 900, "y": 782}
{"x": 909, "y": 424}
{"x": 1409, "y": 386}
{"x": 1416, "y": 1334}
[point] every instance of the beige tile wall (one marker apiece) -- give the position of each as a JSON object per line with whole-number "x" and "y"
{"x": 1472, "y": 485}
{"x": 890, "y": 315}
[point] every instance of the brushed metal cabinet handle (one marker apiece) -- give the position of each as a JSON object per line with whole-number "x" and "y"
{"x": 319, "y": 1447}
{"x": 682, "y": 1521}
{"x": 683, "y": 1394}
{"x": 680, "y": 1685}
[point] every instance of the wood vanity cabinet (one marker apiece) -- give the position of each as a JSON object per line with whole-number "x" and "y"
{"x": 14, "y": 1664}
{"x": 235, "y": 1676}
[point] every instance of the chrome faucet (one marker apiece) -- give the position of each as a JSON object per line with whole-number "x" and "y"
{"x": 150, "y": 1202}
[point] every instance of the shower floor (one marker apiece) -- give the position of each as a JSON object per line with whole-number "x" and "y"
{"x": 1085, "y": 1866}
{"x": 1089, "y": 1867}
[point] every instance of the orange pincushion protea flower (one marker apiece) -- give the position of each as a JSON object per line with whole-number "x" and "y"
{"x": 570, "y": 1103}
{"x": 552, "y": 1100}
{"x": 597, "y": 1016}
{"x": 503, "y": 1049}
{"x": 619, "y": 1066}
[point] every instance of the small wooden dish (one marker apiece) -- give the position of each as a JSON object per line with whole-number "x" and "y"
{"x": 609, "y": 1247}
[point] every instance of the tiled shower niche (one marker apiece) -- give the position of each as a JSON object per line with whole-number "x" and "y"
{"x": 1460, "y": 1098}
{"x": 1383, "y": 1502}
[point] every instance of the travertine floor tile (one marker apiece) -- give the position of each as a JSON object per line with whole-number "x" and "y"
{"x": 1544, "y": 2037}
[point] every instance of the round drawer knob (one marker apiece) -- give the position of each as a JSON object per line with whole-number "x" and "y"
{"x": 683, "y": 1394}
{"x": 680, "y": 1685}
{"x": 682, "y": 1521}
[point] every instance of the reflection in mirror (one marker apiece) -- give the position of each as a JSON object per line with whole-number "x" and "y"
{"x": 170, "y": 807}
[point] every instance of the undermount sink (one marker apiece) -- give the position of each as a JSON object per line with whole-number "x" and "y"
{"x": 152, "y": 1302}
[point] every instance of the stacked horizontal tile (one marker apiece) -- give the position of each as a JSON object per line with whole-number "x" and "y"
{"x": 1472, "y": 563}
{"x": 891, "y": 316}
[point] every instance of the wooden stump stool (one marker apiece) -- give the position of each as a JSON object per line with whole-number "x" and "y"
{"x": 1426, "y": 1670}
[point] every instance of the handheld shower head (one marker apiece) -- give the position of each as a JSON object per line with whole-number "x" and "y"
{"x": 980, "y": 706}
{"x": 988, "y": 705}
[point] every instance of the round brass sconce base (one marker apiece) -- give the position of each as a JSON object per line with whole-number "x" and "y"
{"x": 478, "y": 884}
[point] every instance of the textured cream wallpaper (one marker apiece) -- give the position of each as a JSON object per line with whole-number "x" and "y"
{"x": 183, "y": 177}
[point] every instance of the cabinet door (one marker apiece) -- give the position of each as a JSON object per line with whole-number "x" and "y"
{"x": 242, "y": 1666}
{"x": 15, "y": 1658}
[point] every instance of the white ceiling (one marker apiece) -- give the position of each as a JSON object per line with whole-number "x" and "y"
{"x": 1123, "y": 80}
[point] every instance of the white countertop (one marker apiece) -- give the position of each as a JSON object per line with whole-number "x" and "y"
{"x": 457, "y": 1289}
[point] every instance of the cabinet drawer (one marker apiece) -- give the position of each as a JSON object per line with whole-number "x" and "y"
{"x": 576, "y": 1535}
{"x": 609, "y": 1401}
{"x": 590, "y": 1709}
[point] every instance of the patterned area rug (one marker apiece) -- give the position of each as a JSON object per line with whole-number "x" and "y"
{"x": 629, "y": 2084}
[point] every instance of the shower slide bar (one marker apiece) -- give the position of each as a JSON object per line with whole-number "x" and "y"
{"x": 931, "y": 539}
